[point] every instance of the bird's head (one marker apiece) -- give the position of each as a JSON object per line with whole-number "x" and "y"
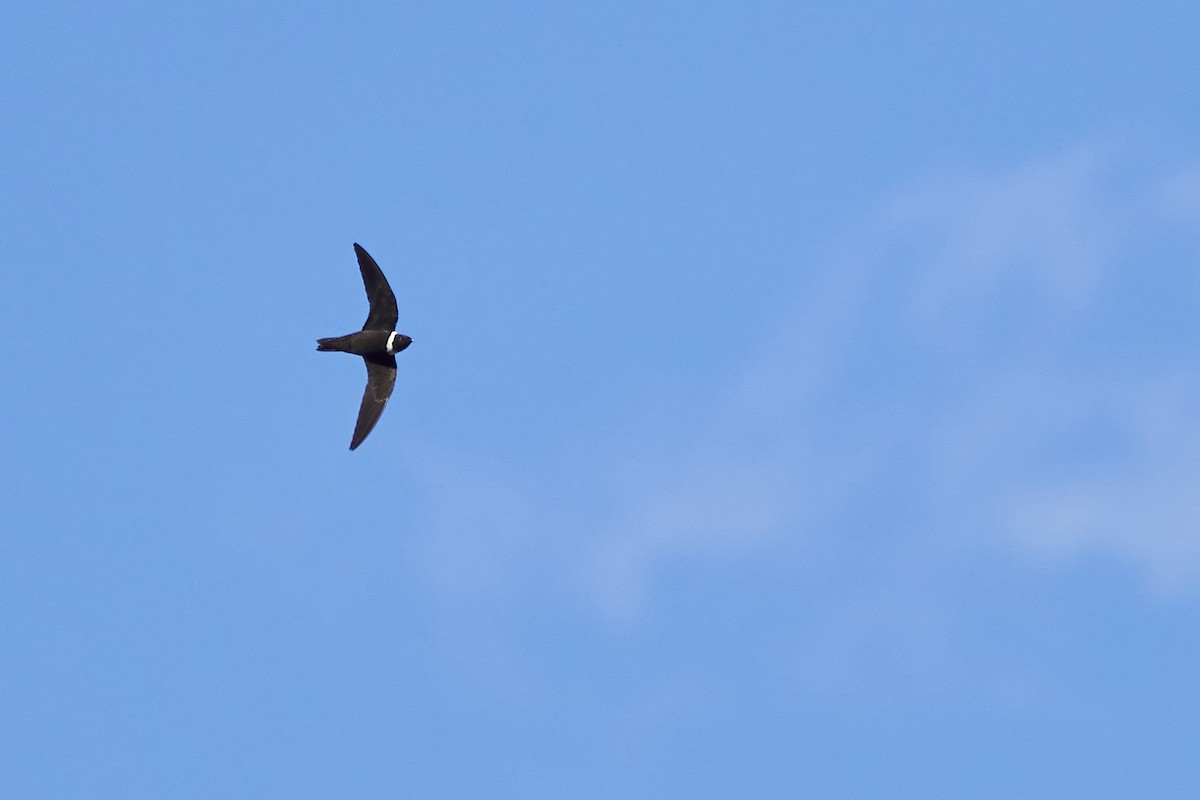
{"x": 397, "y": 342}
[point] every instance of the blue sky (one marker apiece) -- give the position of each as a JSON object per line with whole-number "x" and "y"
{"x": 803, "y": 400}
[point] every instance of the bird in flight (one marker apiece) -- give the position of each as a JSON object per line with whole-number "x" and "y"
{"x": 377, "y": 343}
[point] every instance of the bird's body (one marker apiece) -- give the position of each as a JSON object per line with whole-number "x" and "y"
{"x": 377, "y": 343}
{"x": 363, "y": 343}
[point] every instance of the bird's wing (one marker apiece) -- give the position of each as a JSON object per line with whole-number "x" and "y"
{"x": 381, "y": 377}
{"x": 383, "y": 303}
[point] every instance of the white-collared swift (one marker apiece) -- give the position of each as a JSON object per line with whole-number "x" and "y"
{"x": 377, "y": 343}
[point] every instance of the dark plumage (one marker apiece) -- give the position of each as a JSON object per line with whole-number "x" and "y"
{"x": 377, "y": 343}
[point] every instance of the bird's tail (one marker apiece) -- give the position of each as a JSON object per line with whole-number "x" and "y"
{"x": 340, "y": 344}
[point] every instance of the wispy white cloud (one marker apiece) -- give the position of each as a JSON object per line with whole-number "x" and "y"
{"x": 962, "y": 339}
{"x": 961, "y": 373}
{"x": 1141, "y": 507}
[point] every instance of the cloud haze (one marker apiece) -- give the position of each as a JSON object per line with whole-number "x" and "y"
{"x": 946, "y": 386}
